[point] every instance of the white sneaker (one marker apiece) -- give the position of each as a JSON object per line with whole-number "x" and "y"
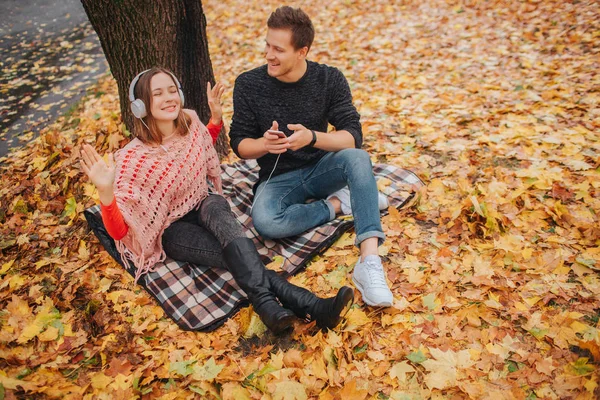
{"x": 344, "y": 196}
{"x": 369, "y": 279}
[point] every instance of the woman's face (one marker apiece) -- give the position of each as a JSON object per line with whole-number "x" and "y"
{"x": 165, "y": 98}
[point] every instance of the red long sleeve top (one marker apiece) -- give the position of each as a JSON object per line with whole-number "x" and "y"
{"x": 111, "y": 215}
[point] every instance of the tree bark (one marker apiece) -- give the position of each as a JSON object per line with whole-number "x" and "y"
{"x": 139, "y": 34}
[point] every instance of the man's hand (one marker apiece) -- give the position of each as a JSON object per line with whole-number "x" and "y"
{"x": 276, "y": 143}
{"x": 213, "y": 95}
{"x": 300, "y": 138}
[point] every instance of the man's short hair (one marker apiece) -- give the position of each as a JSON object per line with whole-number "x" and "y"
{"x": 296, "y": 20}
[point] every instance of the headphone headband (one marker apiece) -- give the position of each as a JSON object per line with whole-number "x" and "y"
{"x": 133, "y": 83}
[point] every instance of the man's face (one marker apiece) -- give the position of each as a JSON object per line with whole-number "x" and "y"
{"x": 282, "y": 59}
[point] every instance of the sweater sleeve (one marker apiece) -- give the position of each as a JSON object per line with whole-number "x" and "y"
{"x": 214, "y": 130}
{"x": 243, "y": 123}
{"x": 113, "y": 220}
{"x": 342, "y": 113}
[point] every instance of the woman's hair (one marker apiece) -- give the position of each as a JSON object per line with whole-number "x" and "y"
{"x": 297, "y": 21}
{"x": 148, "y": 132}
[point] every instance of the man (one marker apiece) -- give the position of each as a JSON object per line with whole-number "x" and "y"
{"x": 281, "y": 115}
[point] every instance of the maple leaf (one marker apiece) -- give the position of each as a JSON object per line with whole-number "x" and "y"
{"x": 255, "y": 327}
{"x": 206, "y": 372}
{"x": 70, "y": 208}
{"x": 101, "y": 381}
{"x": 444, "y": 367}
{"x": 118, "y": 366}
{"x": 545, "y": 366}
{"x": 289, "y": 390}
{"x": 580, "y": 367}
{"x": 351, "y": 392}
{"x": 293, "y": 359}
{"x": 234, "y": 391}
{"x": 417, "y": 357}
{"x": 6, "y": 267}
{"x": 46, "y": 314}
{"x": 183, "y": 368}
{"x": 399, "y": 371}
{"x": 83, "y": 252}
{"x": 430, "y": 301}
{"x": 356, "y": 318}
{"x": 22, "y": 239}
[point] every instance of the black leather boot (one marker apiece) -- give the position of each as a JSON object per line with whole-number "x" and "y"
{"x": 327, "y": 312}
{"x": 244, "y": 263}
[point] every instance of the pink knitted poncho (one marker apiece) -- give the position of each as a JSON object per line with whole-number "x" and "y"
{"x": 155, "y": 186}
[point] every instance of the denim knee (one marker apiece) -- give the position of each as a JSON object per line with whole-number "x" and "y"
{"x": 269, "y": 224}
{"x": 357, "y": 162}
{"x": 264, "y": 225}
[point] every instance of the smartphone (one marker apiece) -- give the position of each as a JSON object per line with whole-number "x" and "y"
{"x": 278, "y": 133}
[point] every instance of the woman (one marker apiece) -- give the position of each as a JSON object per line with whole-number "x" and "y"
{"x": 155, "y": 203}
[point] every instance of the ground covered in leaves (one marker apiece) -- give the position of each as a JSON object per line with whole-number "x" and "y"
{"x": 495, "y": 267}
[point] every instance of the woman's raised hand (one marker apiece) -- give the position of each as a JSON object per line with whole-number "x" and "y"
{"x": 213, "y": 94}
{"x": 100, "y": 173}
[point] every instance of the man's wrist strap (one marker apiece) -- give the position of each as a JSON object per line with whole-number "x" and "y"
{"x": 314, "y": 139}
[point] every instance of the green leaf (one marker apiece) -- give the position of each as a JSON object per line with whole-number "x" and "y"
{"x": 57, "y": 323}
{"x": 538, "y": 333}
{"x": 4, "y": 244}
{"x": 590, "y": 263}
{"x": 430, "y": 301}
{"x": 208, "y": 371}
{"x": 581, "y": 367}
{"x": 512, "y": 366}
{"x": 183, "y": 368}
{"x": 70, "y": 208}
{"x": 417, "y": 357}
{"x": 20, "y": 207}
{"x": 24, "y": 373}
{"x": 531, "y": 396}
{"x": 337, "y": 277}
{"x": 170, "y": 384}
{"x": 360, "y": 349}
{"x": 196, "y": 389}
{"x": 266, "y": 370}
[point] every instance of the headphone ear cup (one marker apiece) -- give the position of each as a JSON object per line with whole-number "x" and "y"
{"x": 138, "y": 108}
{"x": 182, "y": 98}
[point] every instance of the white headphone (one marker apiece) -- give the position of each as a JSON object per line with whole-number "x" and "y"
{"x": 138, "y": 108}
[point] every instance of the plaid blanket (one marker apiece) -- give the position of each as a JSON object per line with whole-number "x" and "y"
{"x": 200, "y": 297}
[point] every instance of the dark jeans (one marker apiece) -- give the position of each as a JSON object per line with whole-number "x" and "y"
{"x": 200, "y": 236}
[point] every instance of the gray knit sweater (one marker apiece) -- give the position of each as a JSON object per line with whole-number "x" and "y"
{"x": 320, "y": 97}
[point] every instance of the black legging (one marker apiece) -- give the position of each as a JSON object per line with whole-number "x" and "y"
{"x": 200, "y": 236}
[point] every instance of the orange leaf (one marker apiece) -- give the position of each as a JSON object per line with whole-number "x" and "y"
{"x": 350, "y": 392}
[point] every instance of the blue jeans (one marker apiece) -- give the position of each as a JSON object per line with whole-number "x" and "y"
{"x": 281, "y": 209}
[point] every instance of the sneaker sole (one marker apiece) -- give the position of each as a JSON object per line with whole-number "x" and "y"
{"x": 366, "y": 299}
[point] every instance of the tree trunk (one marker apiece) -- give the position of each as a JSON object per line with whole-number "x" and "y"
{"x": 139, "y": 34}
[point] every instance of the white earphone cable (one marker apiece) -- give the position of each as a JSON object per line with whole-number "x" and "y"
{"x": 266, "y": 183}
